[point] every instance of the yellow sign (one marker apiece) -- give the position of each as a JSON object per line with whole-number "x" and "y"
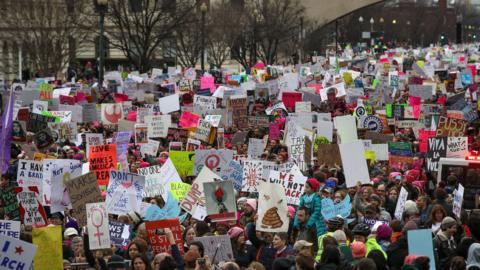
{"x": 183, "y": 162}
{"x": 347, "y": 77}
{"x": 49, "y": 253}
{"x": 41, "y": 156}
{"x": 179, "y": 190}
{"x": 369, "y": 154}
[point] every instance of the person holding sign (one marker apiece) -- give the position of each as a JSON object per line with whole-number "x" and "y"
{"x": 311, "y": 200}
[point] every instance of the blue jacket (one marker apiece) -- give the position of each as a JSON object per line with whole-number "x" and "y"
{"x": 316, "y": 217}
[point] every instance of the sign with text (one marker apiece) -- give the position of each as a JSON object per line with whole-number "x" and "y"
{"x": 158, "y": 240}
{"x": 124, "y": 192}
{"x": 102, "y": 159}
{"x": 82, "y": 190}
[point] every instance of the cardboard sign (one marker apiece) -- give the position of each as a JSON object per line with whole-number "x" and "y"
{"x": 9, "y": 199}
{"x": 272, "y": 208}
{"x": 255, "y": 148}
{"x": 179, "y": 190}
{"x": 111, "y": 113}
{"x": 329, "y": 154}
{"x": 234, "y": 172}
{"x": 102, "y": 159}
{"x": 17, "y": 254}
{"x": 294, "y": 185}
{"x": 119, "y": 233}
{"x": 331, "y": 209}
{"x": 97, "y": 224}
{"x": 239, "y": 106}
{"x": 92, "y": 139}
{"x": 458, "y": 200}
{"x": 82, "y": 190}
{"x": 158, "y": 125}
{"x": 215, "y": 160}
{"x": 203, "y": 130}
{"x": 159, "y": 241}
{"x": 451, "y": 127}
{"x": 402, "y": 198}
{"x": 49, "y": 242}
{"x": 420, "y": 243}
{"x": 220, "y": 201}
{"x": 10, "y": 228}
{"x": 457, "y": 147}
{"x": 258, "y": 121}
{"x": 169, "y": 104}
{"x": 196, "y": 196}
{"x": 218, "y": 247}
{"x": 184, "y": 162}
{"x": 31, "y": 208}
{"x": 252, "y": 175}
{"x": 437, "y": 148}
{"x": 354, "y": 163}
{"x": 124, "y": 192}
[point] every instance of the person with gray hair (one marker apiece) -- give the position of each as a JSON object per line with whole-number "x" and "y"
{"x": 444, "y": 243}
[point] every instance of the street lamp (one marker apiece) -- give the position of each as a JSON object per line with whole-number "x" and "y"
{"x": 394, "y": 21}
{"x": 101, "y": 7}
{"x": 372, "y": 42}
{"x": 203, "y": 9}
{"x": 381, "y": 20}
{"x": 360, "y": 19}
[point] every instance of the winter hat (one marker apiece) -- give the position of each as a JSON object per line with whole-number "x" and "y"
{"x": 78, "y": 157}
{"x": 313, "y": 183}
{"x": 291, "y": 211}
{"x": 144, "y": 164}
{"x": 410, "y": 207}
{"x": 411, "y": 225}
{"x": 252, "y": 203}
{"x": 69, "y": 232}
{"x": 377, "y": 198}
{"x": 115, "y": 262}
{"x": 448, "y": 222}
{"x": 340, "y": 236}
{"x": 410, "y": 259}
{"x": 235, "y": 232}
{"x": 359, "y": 250}
{"x": 384, "y": 232}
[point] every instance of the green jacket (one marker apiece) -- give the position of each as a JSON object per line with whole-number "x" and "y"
{"x": 372, "y": 244}
{"x": 320, "y": 244}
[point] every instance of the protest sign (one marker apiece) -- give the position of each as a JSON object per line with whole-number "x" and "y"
{"x": 30, "y": 173}
{"x": 274, "y": 131}
{"x": 457, "y": 147}
{"x": 65, "y": 131}
{"x": 373, "y": 124}
{"x": 49, "y": 248}
{"x": 458, "y": 200}
{"x": 234, "y": 172}
{"x": 82, "y": 190}
{"x": 339, "y": 91}
{"x": 39, "y": 106}
{"x": 38, "y": 122}
{"x": 150, "y": 148}
{"x": 290, "y": 98}
{"x": 294, "y": 185}
{"x": 169, "y": 104}
{"x": 184, "y": 162}
{"x": 402, "y": 198}
{"x": 214, "y": 120}
{"x": 119, "y": 233}
{"x": 295, "y": 141}
{"x": 17, "y": 254}
{"x": 111, "y": 113}
{"x": 158, "y": 125}
{"x": 330, "y": 209}
{"x": 157, "y": 184}
{"x": 252, "y": 175}
{"x": 272, "y": 208}
{"x": 329, "y": 154}
{"x": 10, "y": 228}
{"x": 169, "y": 210}
{"x": 177, "y": 135}
{"x": 205, "y": 102}
{"x": 277, "y": 106}
{"x": 381, "y": 151}
{"x": 354, "y": 163}
{"x": 220, "y": 201}
{"x": 239, "y": 106}
{"x": 303, "y": 106}
{"x": 97, "y": 224}
{"x": 157, "y": 237}
{"x": 451, "y": 127}
{"x": 400, "y": 162}
{"x": 202, "y": 132}
{"x": 400, "y": 148}
{"x": 420, "y": 243}
{"x": 10, "y": 202}
{"x": 346, "y": 128}
{"x": 188, "y": 120}
{"x": 258, "y": 121}
{"x": 92, "y": 139}
{"x": 141, "y": 133}
{"x": 179, "y": 189}
{"x": 218, "y": 247}
{"x": 215, "y": 160}
{"x": 31, "y": 208}
{"x": 56, "y": 172}
{"x": 437, "y": 148}
{"x": 255, "y": 148}
{"x": 124, "y": 192}
{"x": 122, "y": 139}
{"x": 102, "y": 159}
{"x": 196, "y": 197}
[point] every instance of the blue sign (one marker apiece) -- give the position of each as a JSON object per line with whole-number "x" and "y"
{"x": 331, "y": 210}
{"x": 420, "y": 243}
{"x": 170, "y": 210}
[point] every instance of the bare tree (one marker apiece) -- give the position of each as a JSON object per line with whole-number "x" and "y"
{"x": 140, "y": 34}
{"x": 45, "y": 30}
{"x": 188, "y": 45}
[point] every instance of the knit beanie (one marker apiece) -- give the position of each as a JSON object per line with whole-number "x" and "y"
{"x": 359, "y": 250}
{"x": 384, "y": 232}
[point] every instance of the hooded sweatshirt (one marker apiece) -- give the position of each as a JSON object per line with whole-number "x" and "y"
{"x": 473, "y": 259}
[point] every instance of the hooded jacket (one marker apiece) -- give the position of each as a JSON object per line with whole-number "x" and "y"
{"x": 473, "y": 259}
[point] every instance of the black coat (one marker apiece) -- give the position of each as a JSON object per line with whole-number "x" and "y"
{"x": 397, "y": 252}
{"x": 244, "y": 257}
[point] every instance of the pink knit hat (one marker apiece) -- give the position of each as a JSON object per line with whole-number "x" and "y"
{"x": 291, "y": 211}
{"x": 252, "y": 203}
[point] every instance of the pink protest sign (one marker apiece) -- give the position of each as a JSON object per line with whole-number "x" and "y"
{"x": 189, "y": 120}
{"x": 67, "y": 100}
{"x": 274, "y": 131}
{"x": 412, "y": 101}
{"x": 208, "y": 82}
{"x": 132, "y": 116}
{"x": 80, "y": 97}
{"x": 290, "y": 98}
{"x": 423, "y": 136}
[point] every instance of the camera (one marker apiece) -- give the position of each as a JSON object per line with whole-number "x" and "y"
{"x": 201, "y": 261}
{"x": 160, "y": 231}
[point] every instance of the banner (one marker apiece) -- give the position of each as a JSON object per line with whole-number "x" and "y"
{"x": 184, "y": 162}
{"x": 19, "y": 254}
{"x": 158, "y": 240}
{"x": 102, "y": 159}
{"x": 218, "y": 247}
{"x": 437, "y": 148}
{"x": 10, "y": 228}
{"x": 294, "y": 185}
{"x": 82, "y": 190}
{"x": 331, "y": 209}
{"x": 272, "y": 208}
{"x": 220, "y": 201}
{"x": 119, "y": 233}
{"x": 31, "y": 208}
{"x": 451, "y": 127}
{"x": 124, "y": 192}
{"x": 252, "y": 175}
{"x": 97, "y": 224}
{"x": 457, "y": 147}
{"x": 402, "y": 198}
{"x": 49, "y": 248}
{"x": 215, "y": 160}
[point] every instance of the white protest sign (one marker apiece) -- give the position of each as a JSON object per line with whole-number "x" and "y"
{"x": 205, "y": 102}
{"x": 97, "y": 224}
{"x": 218, "y": 247}
{"x": 272, "y": 208}
{"x": 303, "y": 106}
{"x": 31, "y": 208}
{"x": 195, "y": 198}
{"x": 255, "y": 147}
{"x": 30, "y": 173}
{"x": 93, "y": 139}
{"x": 77, "y": 111}
{"x": 458, "y": 200}
{"x": 214, "y": 120}
{"x": 339, "y": 91}
{"x": 169, "y": 104}
{"x": 159, "y": 184}
{"x": 16, "y": 254}
{"x": 10, "y": 228}
{"x": 381, "y": 151}
{"x": 346, "y": 128}
{"x": 158, "y": 125}
{"x": 457, "y": 147}
{"x": 402, "y": 199}
{"x": 252, "y": 175}
{"x": 325, "y": 129}
{"x": 150, "y": 148}
{"x": 56, "y": 173}
{"x": 294, "y": 185}
{"x": 39, "y": 106}
{"x": 354, "y": 163}
{"x": 61, "y": 91}
{"x": 124, "y": 192}
{"x": 277, "y": 106}
{"x": 203, "y": 130}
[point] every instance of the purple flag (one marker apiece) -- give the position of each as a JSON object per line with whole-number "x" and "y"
{"x": 6, "y": 133}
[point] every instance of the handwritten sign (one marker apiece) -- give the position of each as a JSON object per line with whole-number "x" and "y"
{"x": 437, "y": 148}
{"x": 158, "y": 125}
{"x": 457, "y": 147}
{"x": 102, "y": 159}
{"x": 92, "y": 139}
{"x": 294, "y": 185}
{"x": 158, "y": 240}
{"x": 458, "y": 200}
{"x": 82, "y": 190}
{"x": 203, "y": 130}
{"x": 97, "y": 224}
{"x": 239, "y": 103}
{"x": 402, "y": 199}
{"x": 188, "y": 120}
{"x": 30, "y": 173}
{"x": 272, "y": 208}
{"x": 16, "y": 254}
{"x": 218, "y": 247}
{"x": 158, "y": 178}
{"x": 252, "y": 175}
{"x": 184, "y": 162}
{"x": 31, "y": 208}
{"x": 10, "y": 228}
{"x": 124, "y": 192}
{"x": 451, "y": 127}
{"x": 179, "y": 190}
{"x": 119, "y": 233}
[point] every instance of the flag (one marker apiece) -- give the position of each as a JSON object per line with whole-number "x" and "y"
{"x": 6, "y": 133}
